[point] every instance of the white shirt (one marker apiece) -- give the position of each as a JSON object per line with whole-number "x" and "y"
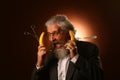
{"x": 63, "y": 66}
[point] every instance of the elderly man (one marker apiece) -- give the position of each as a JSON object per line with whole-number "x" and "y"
{"x": 67, "y": 59}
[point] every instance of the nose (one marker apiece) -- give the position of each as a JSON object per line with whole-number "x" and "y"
{"x": 52, "y": 38}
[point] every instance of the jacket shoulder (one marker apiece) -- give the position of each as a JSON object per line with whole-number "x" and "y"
{"x": 87, "y": 49}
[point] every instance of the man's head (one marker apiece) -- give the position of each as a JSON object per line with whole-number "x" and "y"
{"x": 57, "y": 28}
{"x": 58, "y": 31}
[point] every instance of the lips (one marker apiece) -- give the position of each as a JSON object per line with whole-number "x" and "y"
{"x": 58, "y": 45}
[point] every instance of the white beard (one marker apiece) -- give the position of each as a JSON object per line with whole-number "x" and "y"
{"x": 61, "y": 53}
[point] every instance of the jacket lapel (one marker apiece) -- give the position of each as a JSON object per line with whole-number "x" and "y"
{"x": 70, "y": 71}
{"x": 54, "y": 73}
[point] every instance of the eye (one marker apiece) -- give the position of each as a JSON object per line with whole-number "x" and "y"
{"x": 56, "y": 33}
{"x": 48, "y": 34}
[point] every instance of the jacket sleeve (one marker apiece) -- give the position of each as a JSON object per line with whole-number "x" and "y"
{"x": 43, "y": 72}
{"x": 40, "y": 74}
{"x": 88, "y": 63}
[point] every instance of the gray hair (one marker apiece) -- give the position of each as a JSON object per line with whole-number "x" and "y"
{"x": 62, "y": 21}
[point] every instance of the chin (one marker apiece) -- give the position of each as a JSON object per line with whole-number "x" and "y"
{"x": 61, "y": 52}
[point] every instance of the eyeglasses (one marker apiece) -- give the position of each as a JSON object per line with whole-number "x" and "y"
{"x": 55, "y": 33}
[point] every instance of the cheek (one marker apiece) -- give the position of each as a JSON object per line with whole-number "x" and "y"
{"x": 60, "y": 38}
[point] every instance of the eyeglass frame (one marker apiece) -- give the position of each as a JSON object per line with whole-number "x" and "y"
{"x": 55, "y": 33}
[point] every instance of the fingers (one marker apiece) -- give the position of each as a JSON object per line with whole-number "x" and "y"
{"x": 70, "y": 45}
{"x": 41, "y": 50}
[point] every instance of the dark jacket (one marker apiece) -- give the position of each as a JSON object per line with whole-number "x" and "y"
{"x": 87, "y": 66}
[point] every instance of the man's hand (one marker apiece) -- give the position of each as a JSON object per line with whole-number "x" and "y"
{"x": 40, "y": 53}
{"x": 71, "y": 46}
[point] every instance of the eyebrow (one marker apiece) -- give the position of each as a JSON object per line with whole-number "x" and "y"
{"x": 55, "y": 31}
{"x": 52, "y": 32}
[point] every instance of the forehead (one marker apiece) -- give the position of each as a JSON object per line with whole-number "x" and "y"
{"x": 52, "y": 28}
